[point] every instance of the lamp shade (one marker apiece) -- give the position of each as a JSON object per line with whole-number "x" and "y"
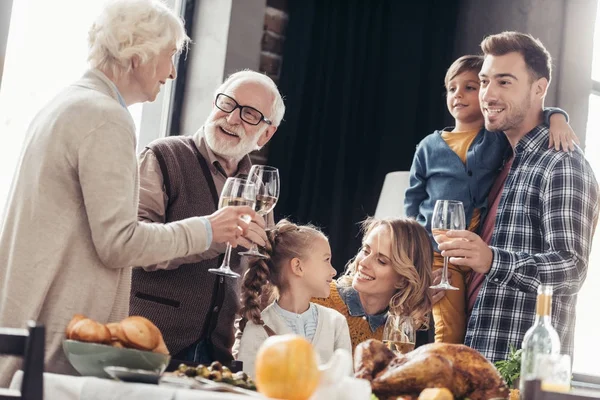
{"x": 391, "y": 199}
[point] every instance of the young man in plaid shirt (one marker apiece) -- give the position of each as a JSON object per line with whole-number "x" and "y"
{"x": 546, "y": 214}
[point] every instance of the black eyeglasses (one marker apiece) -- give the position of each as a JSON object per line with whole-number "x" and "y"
{"x": 248, "y": 114}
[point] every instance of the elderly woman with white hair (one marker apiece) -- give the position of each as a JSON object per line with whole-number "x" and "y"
{"x": 70, "y": 231}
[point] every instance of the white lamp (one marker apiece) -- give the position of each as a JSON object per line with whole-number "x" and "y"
{"x": 391, "y": 199}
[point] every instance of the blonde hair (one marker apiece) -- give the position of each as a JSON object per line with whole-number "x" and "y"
{"x": 285, "y": 242}
{"x": 128, "y": 28}
{"x": 412, "y": 259}
{"x": 277, "y": 108}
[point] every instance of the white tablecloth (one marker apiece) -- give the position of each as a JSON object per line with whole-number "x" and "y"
{"x": 65, "y": 387}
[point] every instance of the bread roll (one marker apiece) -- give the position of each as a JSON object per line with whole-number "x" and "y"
{"x": 140, "y": 333}
{"x": 116, "y": 333}
{"x": 162, "y": 346}
{"x": 76, "y": 318}
{"x": 135, "y": 332}
{"x": 87, "y": 330}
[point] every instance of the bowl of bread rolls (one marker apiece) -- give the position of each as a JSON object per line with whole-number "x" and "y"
{"x": 134, "y": 343}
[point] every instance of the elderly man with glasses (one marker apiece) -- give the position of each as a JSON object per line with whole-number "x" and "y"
{"x": 183, "y": 176}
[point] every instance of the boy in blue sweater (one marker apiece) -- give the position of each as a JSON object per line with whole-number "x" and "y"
{"x": 461, "y": 163}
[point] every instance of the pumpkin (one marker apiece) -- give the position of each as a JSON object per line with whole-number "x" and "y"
{"x": 286, "y": 368}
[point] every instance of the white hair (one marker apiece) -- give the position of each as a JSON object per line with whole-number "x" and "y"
{"x": 128, "y": 28}
{"x": 278, "y": 107}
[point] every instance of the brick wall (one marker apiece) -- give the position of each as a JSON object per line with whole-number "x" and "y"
{"x": 271, "y": 54}
{"x": 276, "y": 18}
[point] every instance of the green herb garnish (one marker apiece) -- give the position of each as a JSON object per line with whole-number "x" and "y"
{"x": 510, "y": 369}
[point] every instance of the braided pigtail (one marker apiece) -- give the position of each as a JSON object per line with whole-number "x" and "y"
{"x": 263, "y": 279}
{"x": 256, "y": 279}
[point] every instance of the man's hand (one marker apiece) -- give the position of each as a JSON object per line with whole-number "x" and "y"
{"x": 255, "y": 233}
{"x": 468, "y": 249}
{"x": 561, "y": 134}
{"x": 227, "y": 224}
{"x": 438, "y": 294}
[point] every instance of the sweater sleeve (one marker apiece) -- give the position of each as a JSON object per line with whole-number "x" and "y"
{"x": 342, "y": 334}
{"x": 247, "y": 346}
{"x": 415, "y": 194}
{"x": 108, "y": 174}
{"x": 549, "y": 111}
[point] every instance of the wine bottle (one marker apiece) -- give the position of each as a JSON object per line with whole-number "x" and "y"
{"x": 541, "y": 338}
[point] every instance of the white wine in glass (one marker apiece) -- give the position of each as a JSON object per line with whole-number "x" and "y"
{"x": 265, "y": 203}
{"x": 447, "y": 215}
{"x": 399, "y": 333}
{"x": 236, "y": 192}
{"x": 226, "y": 201}
{"x": 266, "y": 180}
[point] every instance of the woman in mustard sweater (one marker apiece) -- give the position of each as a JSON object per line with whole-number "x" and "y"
{"x": 390, "y": 274}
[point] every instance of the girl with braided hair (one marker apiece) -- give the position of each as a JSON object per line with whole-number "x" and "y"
{"x": 298, "y": 269}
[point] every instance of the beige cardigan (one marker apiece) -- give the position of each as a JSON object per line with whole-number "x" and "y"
{"x": 332, "y": 333}
{"x": 70, "y": 231}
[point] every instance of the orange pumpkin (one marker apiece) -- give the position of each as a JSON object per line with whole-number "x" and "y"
{"x": 286, "y": 368}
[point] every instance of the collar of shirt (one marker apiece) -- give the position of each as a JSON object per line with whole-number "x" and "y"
{"x": 243, "y": 166}
{"x": 533, "y": 139}
{"x": 121, "y": 99}
{"x": 292, "y": 316}
{"x": 112, "y": 85}
{"x": 350, "y": 297}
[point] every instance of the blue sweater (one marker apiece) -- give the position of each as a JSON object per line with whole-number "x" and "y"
{"x": 438, "y": 173}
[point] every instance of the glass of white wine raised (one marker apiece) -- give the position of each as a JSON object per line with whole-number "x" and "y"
{"x": 236, "y": 192}
{"x": 266, "y": 179}
{"x": 447, "y": 215}
{"x": 399, "y": 333}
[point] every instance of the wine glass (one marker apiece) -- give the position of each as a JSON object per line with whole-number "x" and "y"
{"x": 236, "y": 192}
{"x": 399, "y": 333}
{"x": 266, "y": 180}
{"x": 447, "y": 215}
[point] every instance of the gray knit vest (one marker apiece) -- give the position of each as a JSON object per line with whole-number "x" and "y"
{"x": 188, "y": 303}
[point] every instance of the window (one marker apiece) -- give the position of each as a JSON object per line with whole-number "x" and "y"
{"x": 587, "y": 351}
{"x": 46, "y": 51}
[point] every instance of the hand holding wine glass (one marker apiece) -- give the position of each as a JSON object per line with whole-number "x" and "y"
{"x": 236, "y": 192}
{"x": 266, "y": 180}
{"x": 447, "y": 215}
{"x": 227, "y": 224}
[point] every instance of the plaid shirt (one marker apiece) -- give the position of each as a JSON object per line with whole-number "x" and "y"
{"x": 543, "y": 234}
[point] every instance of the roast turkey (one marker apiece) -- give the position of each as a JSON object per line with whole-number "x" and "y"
{"x": 464, "y": 371}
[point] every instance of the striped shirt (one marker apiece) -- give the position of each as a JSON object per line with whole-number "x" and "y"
{"x": 543, "y": 235}
{"x": 304, "y": 324}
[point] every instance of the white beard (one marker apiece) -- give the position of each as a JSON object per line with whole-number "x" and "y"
{"x": 221, "y": 146}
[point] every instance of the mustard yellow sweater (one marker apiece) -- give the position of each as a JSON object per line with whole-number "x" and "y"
{"x": 359, "y": 326}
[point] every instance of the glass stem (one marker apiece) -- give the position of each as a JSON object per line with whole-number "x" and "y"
{"x": 227, "y": 257}
{"x": 445, "y": 272}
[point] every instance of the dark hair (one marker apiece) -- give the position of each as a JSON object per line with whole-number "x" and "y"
{"x": 285, "y": 241}
{"x": 537, "y": 58}
{"x": 463, "y": 64}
